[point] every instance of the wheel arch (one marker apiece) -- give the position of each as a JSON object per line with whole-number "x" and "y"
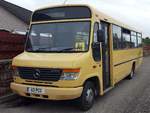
{"x": 96, "y": 81}
{"x": 134, "y": 65}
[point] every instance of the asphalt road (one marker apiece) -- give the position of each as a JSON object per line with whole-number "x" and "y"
{"x": 129, "y": 96}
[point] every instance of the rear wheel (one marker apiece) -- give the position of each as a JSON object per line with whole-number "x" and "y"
{"x": 132, "y": 74}
{"x": 87, "y": 98}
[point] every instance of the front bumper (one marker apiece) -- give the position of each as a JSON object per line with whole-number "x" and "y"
{"x": 51, "y": 93}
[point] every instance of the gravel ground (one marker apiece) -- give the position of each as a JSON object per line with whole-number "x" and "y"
{"x": 129, "y": 96}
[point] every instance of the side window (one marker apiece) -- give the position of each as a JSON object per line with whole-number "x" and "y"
{"x": 96, "y": 27}
{"x": 139, "y": 39}
{"x": 126, "y": 38}
{"x": 133, "y": 40}
{"x": 117, "y": 37}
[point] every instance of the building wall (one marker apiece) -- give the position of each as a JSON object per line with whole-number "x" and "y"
{"x": 10, "y": 22}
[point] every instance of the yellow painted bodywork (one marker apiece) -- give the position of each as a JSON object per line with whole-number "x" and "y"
{"x": 119, "y": 56}
{"x": 84, "y": 61}
{"x": 59, "y": 61}
{"x": 51, "y": 93}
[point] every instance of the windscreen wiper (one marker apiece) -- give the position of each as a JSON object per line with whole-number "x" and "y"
{"x": 40, "y": 50}
{"x": 66, "y": 49}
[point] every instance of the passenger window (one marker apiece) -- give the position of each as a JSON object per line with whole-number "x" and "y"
{"x": 139, "y": 39}
{"x": 134, "y": 43}
{"x": 126, "y": 38}
{"x": 96, "y": 27}
{"x": 117, "y": 37}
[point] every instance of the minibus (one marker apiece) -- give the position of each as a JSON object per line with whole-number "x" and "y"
{"x": 75, "y": 52}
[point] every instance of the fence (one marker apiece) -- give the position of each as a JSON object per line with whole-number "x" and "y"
{"x": 146, "y": 50}
{"x": 5, "y": 77}
{"x": 10, "y": 46}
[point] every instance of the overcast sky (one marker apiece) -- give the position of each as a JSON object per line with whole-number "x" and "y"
{"x": 135, "y": 13}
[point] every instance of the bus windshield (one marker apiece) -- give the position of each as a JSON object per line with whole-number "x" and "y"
{"x": 59, "y": 37}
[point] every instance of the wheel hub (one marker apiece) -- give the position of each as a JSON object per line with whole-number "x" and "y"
{"x": 89, "y": 95}
{"x": 132, "y": 74}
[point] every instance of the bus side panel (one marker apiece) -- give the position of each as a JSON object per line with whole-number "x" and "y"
{"x": 123, "y": 61}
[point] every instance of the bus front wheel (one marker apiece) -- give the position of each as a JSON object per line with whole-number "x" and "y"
{"x": 87, "y": 98}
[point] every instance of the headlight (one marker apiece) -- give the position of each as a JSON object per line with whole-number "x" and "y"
{"x": 70, "y": 74}
{"x": 15, "y": 71}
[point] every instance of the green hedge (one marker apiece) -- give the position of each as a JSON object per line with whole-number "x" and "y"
{"x": 146, "y": 41}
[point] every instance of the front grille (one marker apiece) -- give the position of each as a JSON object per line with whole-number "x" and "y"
{"x": 40, "y": 74}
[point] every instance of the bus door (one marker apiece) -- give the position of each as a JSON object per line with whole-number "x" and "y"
{"x": 106, "y": 56}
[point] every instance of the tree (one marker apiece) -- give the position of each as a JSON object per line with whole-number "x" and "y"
{"x": 147, "y": 38}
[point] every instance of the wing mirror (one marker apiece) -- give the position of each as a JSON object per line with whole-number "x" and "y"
{"x": 27, "y": 32}
{"x": 100, "y": 36}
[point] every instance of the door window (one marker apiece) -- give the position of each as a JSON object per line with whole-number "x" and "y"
{"x": 96, "y": 27}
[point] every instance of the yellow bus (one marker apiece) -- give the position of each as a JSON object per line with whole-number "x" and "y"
{"x": 75, "y": 52}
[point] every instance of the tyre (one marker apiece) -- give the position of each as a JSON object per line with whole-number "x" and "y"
{"x": 86, "y": 101}
{"x": 132, "y": 74}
